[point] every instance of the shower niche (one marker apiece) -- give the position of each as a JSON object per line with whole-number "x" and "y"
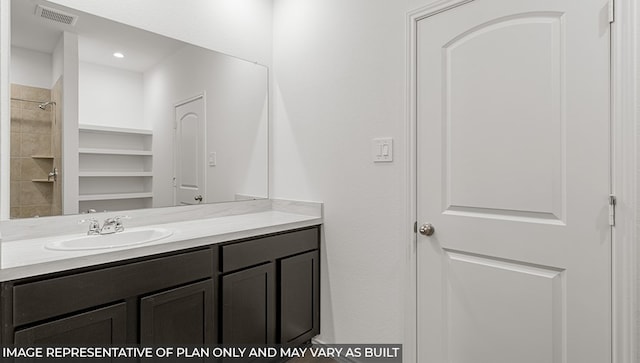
{"x": 115, "y": 168}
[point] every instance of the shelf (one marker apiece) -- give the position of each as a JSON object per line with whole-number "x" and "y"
{"x": 114, "y": 167}
{"x": 97, "y": 151}
{"x": 109, "y": 129}
{"x": 41, "y": 157}
{"x": 41, "y": 181}
{"x": 114, "y": 196}
{"x": 100, "y": 174}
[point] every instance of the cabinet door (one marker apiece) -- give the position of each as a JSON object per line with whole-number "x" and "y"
{"x": 105, "y": 326}
{"x": 299, "y": 298}
{"x": 179, "y": 316}
{"x": 248, "y": 308}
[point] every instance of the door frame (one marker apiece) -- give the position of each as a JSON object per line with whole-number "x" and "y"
{"x": 202, "y": 95}
{"x": 623, "y": 173}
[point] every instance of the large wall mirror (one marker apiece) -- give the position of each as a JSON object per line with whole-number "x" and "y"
{"x": 105, "y": 116}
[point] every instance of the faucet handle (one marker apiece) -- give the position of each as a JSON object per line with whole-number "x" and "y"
{"x": 119, "y": 225}
{"x": 94, "y": 225}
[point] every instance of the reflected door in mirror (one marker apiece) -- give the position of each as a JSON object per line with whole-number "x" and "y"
{"x": 190, "y": 150}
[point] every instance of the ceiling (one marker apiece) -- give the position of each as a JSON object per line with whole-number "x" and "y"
{"x": 98, "y": 38}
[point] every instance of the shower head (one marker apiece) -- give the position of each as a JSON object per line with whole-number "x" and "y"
{"x": 42, "y": 106}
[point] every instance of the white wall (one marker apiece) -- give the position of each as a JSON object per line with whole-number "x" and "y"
{"x": 236, "y": 96}
{"x": 31, "y": 68}
{"x": 70, "y": 96}
{"x": 339, "y": 69}
{"x": 238, "y": 27}
{"x": 111, "y": 97}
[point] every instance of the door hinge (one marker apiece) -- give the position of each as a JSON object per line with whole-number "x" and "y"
{"x": 611, "y": 11}
{"x": 612, "y": 210}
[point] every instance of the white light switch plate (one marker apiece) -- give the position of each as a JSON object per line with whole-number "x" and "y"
{"x": 382, "y": 149}
{"x": 212, "y": 159}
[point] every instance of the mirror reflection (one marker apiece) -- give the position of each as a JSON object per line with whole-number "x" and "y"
{"x": 105, "y": 116}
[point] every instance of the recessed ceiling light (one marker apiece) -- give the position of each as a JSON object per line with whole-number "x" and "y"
{"x": 118, "y": 55}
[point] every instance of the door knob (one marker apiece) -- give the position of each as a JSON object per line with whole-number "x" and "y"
{"x": 427, "y": 229}
{"x": 198, "y": 198}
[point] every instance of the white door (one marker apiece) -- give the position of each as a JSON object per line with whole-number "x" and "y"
{"x": 190, "y": 152}
{"x": 513, "y": 174}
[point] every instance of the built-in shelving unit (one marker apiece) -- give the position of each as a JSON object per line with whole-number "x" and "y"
{"x": 115, "y": 168}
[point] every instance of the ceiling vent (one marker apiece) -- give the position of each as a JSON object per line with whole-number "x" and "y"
{"x": 56, "y": 15}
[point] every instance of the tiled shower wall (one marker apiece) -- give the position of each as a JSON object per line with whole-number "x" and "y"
{"x": 31, "y": 153}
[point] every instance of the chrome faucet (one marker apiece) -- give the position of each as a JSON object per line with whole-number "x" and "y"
{"x": 94, "y": 226}
{"x": 53, "y": 174}
{"x": 113, "y": 225}
{"x": 109, "y": 226}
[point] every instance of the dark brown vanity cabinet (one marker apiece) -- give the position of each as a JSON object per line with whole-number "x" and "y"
{"x": 152, "y": 301}
{"x": 259, "y": 290}
{"x": 271, "y": 289}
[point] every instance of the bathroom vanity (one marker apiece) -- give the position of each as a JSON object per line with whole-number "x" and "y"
{"x": 262, "y": 287}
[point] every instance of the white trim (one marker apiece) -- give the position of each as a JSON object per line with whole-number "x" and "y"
{"x": 5, "y": 107}
{"x": 624, "y": 183}
{"x": 624, "y": 254}
{"x": 410, "y": 346}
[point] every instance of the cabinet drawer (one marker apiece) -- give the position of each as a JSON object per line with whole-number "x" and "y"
{"x": 62, "y": 295}
{"x": 243, "y": 254}
{"x": 104, "y": 326}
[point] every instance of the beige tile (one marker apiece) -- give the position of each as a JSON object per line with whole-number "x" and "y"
{"x": 56, "y": 148}
{"x": 16, "y": 119}
{"x": 36, "y": 94}
{"x": 15, "y": 194}
{"x": 16, "y": 144}
{"x": 35, "y": 168}
{"x": 35, "y": 211}
{"x": 35, "y": 193}
{"x": 16, "y": 169}
{"x": 16, "y": 110}
{"x": 16, "y": 104}
{"x": 35, "y": 144}
{"x": 14, "y": 212}
{"x": 36, "y": 122}
{"x": 30, "y": 106}
{"x": 56, "y": 211}
{"x": 16, "y": 125}
{"x": 16, "y": 90}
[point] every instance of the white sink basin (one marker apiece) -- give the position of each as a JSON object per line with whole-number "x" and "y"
{"x": 129, "y": 237}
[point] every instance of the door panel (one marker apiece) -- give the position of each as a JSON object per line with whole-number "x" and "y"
{"x": 531, "y": 156}
{"x": 190, "y": 152}
{"x": 249, "y": 306}
{"x": 183, "y": 315}
{"x": 299, "y": 298}
{"x": 513, "y": 172}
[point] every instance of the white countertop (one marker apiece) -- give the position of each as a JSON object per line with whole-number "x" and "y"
{"x": 29, "y": 257}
